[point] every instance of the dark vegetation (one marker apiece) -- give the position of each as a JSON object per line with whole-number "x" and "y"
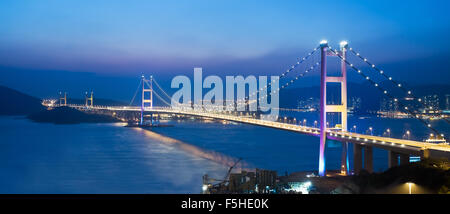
{"x": 66, "y": 115}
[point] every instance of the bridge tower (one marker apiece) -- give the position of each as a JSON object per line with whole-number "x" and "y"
{"x": 144, "y": 100}
{"x": 89, "y": 100}
{"x": 324, "y": 108}
{"x": 61, "y": 99}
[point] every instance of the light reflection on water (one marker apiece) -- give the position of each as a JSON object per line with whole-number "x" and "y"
{"x": 197, "y": 151}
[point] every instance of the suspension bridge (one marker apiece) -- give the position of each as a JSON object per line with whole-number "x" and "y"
{"x": 399, "y": 150}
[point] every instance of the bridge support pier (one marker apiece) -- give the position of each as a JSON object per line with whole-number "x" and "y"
{"x": 404, "y": 159}
{"x": 392, "y": 159}
{"x": 344, "y": 159}
{"x": 368, "y": 158}
{"x": 425, "y": 153}
{"x": 357, "y": 158}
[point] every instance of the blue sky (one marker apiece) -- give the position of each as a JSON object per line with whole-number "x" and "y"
{"x": 91, "y": 40}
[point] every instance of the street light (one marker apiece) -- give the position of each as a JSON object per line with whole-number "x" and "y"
{"x": 389, "y": 132}
{"x": 354, "y": 128}
{"x": 371, "y": 130}
{"x": 315, "y": 123}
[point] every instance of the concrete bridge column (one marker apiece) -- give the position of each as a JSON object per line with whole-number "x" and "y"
{"x": 392, "y": 159}
{"x": 368, "y": 158}
{"x": 357, "y": 158}
{"x": 404, "y": 159}
{"x": 344, "y": 159}
{"x": 425, "y": 153}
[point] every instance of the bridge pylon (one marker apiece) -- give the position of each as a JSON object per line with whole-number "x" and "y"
{"x": 144, "y": 100}
{"x": 62, "y": 99}
{"x": 340, "y": 108}
{"x": 89, "y": 100}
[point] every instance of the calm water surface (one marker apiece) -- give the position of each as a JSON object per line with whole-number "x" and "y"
{"x": 94, "y": 158}
{"x": 108, "y": 158}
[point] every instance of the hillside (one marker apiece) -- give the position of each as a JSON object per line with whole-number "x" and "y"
{"x": 17, "y": 103}
{"x": 66, "y": 115}
{"x": 429, "y": 176}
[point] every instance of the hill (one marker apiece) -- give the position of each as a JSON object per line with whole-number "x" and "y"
{"x": 66, "y": 115}
{"x": 18, "y": 103}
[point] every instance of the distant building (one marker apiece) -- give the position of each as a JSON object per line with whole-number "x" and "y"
{"x": 411, "y": 103}
{"x": 308, "y": 103}
{"x": 431, "y": 102}
{"x": 266, "y": 180}
{"x": 355, "y": 104}
{"x": 447, "y": 102}
{"x": 389, "y": 105}
{"x": 261, "y": 181}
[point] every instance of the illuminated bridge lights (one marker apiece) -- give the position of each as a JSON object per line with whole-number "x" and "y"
{"x": 281, "y": 76}
{"x": 390, "y": 78}
{"x": 385, "y": 91}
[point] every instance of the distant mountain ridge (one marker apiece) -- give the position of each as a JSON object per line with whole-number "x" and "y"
{"x": 18, "y": 103}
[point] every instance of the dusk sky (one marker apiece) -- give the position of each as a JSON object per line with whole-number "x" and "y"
{"x": 48, "y": 45}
